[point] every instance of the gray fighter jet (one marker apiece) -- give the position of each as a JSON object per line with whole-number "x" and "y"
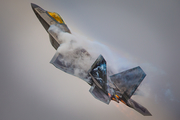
{"x": 121, "y": 86}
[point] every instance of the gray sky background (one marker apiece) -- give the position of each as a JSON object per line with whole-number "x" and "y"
{"x": 146, "y": 33}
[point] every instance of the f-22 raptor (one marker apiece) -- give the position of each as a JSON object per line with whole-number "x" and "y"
{"x": 124, "y": 83}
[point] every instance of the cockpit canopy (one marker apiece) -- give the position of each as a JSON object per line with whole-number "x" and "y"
{"x": 57, "y": 17}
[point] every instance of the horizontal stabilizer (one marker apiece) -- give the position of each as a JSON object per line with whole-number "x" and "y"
{"x": 139, "y": 108}
{"x": 99, "y": 94}
{"x": 127, "y": 82}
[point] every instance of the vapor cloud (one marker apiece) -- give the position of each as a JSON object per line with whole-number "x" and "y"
{"x": 81, "y": 53}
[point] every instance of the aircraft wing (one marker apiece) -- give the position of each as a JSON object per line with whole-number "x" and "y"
{"x": 127, "y": 82}
{"x": 68, "y": 64}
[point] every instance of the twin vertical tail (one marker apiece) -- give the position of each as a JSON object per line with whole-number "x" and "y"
{"x": 125, "y": 84}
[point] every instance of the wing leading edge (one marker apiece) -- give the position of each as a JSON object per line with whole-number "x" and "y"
{"x": 128, "y": 81}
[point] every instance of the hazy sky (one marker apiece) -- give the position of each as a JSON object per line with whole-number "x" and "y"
{"x": 146, "y": 33}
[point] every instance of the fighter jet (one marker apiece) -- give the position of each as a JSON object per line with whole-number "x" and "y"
{"x": 121, "y": 86}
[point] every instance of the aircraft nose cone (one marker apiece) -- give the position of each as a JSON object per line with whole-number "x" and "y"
{"x": 34, "y": 5}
